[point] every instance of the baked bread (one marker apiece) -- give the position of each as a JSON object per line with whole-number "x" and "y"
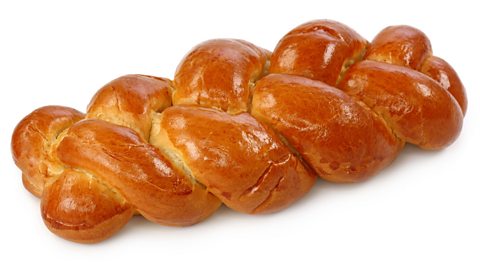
{"x": 238, "y": 125}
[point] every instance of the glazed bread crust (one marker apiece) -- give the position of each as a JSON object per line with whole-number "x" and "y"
{"x": 342, "y": 140}
{"x": 239, "y": 126}
{"x": 219, "y": 74}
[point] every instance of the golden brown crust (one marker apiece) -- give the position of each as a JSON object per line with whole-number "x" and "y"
{"x": 235, "y": 134}
{"x": 131, "y": 101}
{"x": 80, "y": 208}
{"x": 219, "y": 74}
{"x": 417, "y": 108}
{"x": 342, "y": 140}
{"x": 32, "y": 144}
{"x": 238, "y": 159}
{"x": 407, "y": 46}
{"x": 318, "y": 50}
{"x": 137, "y": 170}
{"x": 400, "y": 45}
{"x": 439, "y": 70}
{"x": 96, "y": 234}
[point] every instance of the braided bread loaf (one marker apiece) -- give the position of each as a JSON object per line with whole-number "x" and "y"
{"x": 240, "y": 126}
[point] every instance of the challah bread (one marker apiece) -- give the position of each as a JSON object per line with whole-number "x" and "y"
{"x": 238, "y": 125}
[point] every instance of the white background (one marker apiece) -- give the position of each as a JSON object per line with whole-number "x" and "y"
{"x": 423, "y": 212}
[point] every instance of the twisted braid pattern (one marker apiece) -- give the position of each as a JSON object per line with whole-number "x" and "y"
{"x": 238, "y": 125}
